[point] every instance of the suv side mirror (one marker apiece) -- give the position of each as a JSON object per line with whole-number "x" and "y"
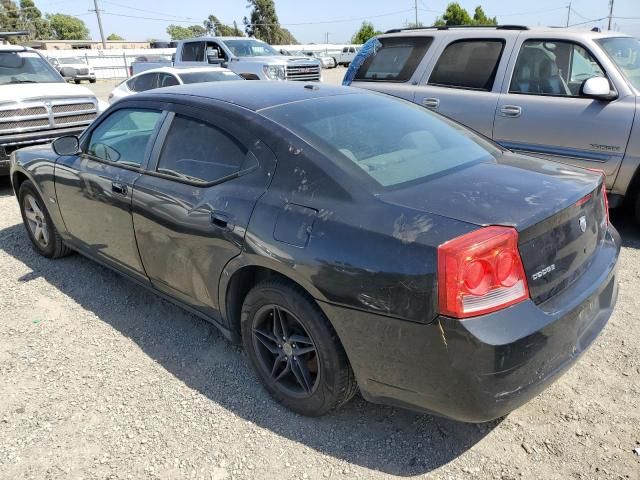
{"x": 64, "y": 146}
{"x": 597, "y": 88}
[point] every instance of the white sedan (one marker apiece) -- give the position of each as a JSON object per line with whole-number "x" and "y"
{"x": 168, "y": 77}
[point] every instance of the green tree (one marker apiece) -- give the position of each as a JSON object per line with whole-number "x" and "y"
{"x": 480, "y": 18}
{"x": 455, "y": 14}
{"x": 215, "y": 27}
{"x": 32, "y": 21}
{"x": 115, "y": 36}
{"x": 178, "y": 32}
{"x": 366, "y": 32}
{"x": 66, "y": 27}
{"x": 415, "y": 25}
{"x": 263, "y": 23}
{"x": 9, "y": 15}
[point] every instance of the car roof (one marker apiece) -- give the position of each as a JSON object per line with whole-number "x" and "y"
{"x": 255, "y": 95}
{"x": 467, "y": 31}
{"x": 14, "y": 48}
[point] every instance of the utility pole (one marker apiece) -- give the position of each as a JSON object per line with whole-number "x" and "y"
{"x": 416, "y": 8}
{"x": 568, "y": 14}
{"x": 610, "y": 13}
{"x": 97, "y": 10}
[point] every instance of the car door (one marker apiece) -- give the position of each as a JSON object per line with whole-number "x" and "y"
{"x": 391, "y": 66}
{"x": 464, "y": 80}
{"x": 193, "y": 205}
{"x": 94, "y": 189}
{"x": 541, "y": 111}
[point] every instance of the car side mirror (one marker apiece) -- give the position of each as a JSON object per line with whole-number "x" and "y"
{"x": 597, "y": 88}
{"x": 64, "y": 146}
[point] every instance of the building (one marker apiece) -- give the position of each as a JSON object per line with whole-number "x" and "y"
{"x": 85, "y": 44}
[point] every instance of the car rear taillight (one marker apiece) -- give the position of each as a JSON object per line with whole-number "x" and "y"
{"x": 605, "y": 199}
{"x": 480, "y": 272}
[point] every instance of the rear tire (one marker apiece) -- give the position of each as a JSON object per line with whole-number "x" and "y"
{"x": 42, "y": 232}
{"x": 294, "y": 350}
{"x": 92, "y": 80}
{"x": 77, "y": 82}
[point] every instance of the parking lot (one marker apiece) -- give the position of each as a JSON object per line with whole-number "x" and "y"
{"x": 102, "y": 379}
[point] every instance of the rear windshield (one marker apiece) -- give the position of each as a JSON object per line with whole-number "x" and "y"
{"x": 200, "y": 77}
{"x": 382, "y": 140}
{"x": 394, "y": 60}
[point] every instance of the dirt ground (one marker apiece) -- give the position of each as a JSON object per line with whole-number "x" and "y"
{"x": 100, "y": 379}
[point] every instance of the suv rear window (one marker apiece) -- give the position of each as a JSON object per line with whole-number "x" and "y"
{"x": 468, "y": 64}
{"x": 395, "y": 60}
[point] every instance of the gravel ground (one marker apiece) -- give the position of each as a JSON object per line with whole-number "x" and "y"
{"x": 100, "y": 379}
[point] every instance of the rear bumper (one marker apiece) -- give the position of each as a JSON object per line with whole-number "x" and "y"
{"x": 482, "y": 368}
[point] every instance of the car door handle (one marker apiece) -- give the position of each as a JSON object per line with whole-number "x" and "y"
{"x": 221, "y": 220}
{"x": 120, "y": 188}
{"x": 432, "y": 103}
{"x": 511, "y": 111}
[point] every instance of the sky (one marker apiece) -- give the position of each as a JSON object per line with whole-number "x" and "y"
{"x": 309, "y": 21}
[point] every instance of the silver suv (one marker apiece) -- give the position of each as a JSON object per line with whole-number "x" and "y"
{"x": 564, "y": 95}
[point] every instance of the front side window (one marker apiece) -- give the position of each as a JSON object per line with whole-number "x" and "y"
{"x": 395, "y": 60}
{"x": 167, "y": 80}
{"x": 550, "y": 67}
{"x": 193, "y": 52}
{"x": 199, "y": 152}
{"x": 380, "y": 140}
{"x": 625, "y": 53}
{"x": 468, "y": 64}
{"x": 123, "y": 136}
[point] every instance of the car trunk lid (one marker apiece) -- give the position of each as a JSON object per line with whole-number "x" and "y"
{"x": 557, "y": 210}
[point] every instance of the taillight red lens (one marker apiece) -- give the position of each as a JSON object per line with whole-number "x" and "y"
{"x": 480, "y": 272}
{"x": 605, "y": 200}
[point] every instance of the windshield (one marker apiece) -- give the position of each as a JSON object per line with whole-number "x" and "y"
{"x": 250, "y": 48}
{"x": 200, "y": 77}
{"x": 382, "y": 140}
{"x": 71, "y": 60}
{"x": 26, "y": 67}
{"x": 625, "y": 52}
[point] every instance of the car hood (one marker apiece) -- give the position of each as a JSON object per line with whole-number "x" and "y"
{"x": 279, "y": 59}
{"x": 20, "y": 92}
{"x": 514, "y": 190}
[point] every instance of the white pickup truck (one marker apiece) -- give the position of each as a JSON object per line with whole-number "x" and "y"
{"x": 248, "y": 57}
{"x": 347, "y": 55}
{"x": 36, "y": 104}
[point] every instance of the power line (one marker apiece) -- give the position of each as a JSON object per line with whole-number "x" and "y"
{"x": 148, "y": 11}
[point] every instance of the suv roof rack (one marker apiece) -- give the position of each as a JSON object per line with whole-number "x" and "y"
{"x": 448, "y": 27}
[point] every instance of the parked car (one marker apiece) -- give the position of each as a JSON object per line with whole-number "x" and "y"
{"x": 561, "y": 94}
{"x": 74, "y": 68}
{"x": 36, "y": 104}
{"x": 326, "y": 61}
{"x": 168, "y": 77}
{"x": 391, "y": 250}
{"x": 149, "y": 62}
{"x": 347, "y": 55}
{"x": 248, "y": 57}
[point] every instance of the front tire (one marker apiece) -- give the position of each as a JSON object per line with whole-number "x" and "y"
{"x": 294, "y": 350}
{"x": 77, "y": 82}
{"x": 42, "y": 232}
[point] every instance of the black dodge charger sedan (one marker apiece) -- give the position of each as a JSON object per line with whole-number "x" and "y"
{"x": 348, "y": 239}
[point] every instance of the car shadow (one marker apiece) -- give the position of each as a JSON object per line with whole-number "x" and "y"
{"x": 625, "y": 222}
{"x": 387, "y": 439}
{"x": 5, "y": 186}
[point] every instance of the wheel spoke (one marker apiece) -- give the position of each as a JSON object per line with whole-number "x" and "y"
{"x": 31, "y": 215}
{"x": 301, "y": 373}
{"x": 304, "y": 350}
{"x": 300, "y": 339}
{"x": 45, "y": 234}
{"x": 276, "y": 363}
{"x": 267, "y": 340}
{"x": 37, "y": 233}
{"x": 34, "y": 206}
{"x": 284, "y": 372}
{"x": 279, "y": 324}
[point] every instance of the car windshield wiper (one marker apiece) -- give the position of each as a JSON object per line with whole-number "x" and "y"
{"x": 20, "y": 81}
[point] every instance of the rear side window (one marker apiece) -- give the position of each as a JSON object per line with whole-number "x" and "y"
{"x": 144, "y": 82}
{"x": 193, "y": 52}
{"x": 199, "y": 152}
{"x": 395, "y": 61}
{"x": 468, "y": 64}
